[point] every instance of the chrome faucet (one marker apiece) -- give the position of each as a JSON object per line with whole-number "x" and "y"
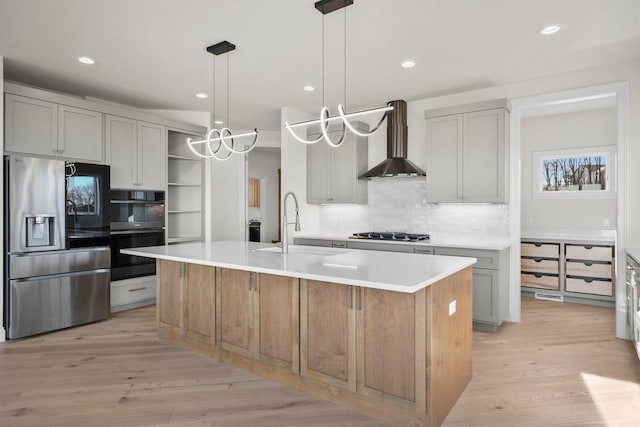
{"x": 285, "y": 236}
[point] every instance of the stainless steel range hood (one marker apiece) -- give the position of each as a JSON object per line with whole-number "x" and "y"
{"x": 396, "y": 164}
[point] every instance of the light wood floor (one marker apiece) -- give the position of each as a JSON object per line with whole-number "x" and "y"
{"x": 560, "y": 366}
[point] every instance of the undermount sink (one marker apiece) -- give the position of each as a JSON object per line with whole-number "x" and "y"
{"x": 306, "y": 250}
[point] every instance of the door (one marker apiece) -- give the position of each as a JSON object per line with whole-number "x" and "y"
{"x": 483, "y": 156}
{"x": 121, "y": 136}
{"x": 386, "y": 363}
{"x": 319, "y": 172}
{"x": 328, "y": 333}
{"x": 444, "y": 151}
{"x": 200, "y": 310}
{"x": 31, "y": 126}
{"x": 485, "y": 295}
{"x": 343, "y": 172}
{"x": 234, "y": 311}
{"x": 80, "y": 134}
{"x": 169, "y": 299}
{"x": 277, "y": 321}
{"x": 151, "y": 157}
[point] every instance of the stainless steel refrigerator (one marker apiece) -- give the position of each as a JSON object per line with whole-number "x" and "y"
{"x": 47, "y": 286}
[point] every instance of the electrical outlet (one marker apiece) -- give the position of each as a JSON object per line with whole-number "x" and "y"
{"x": 452, "y": 307}
{"x": 605, "y": 222}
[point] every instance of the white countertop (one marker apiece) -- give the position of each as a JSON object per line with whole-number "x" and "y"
{"x": 458, "y": 242}
{"x": 401, "y": 272}
{"x": 634, "y": 253}
{"x": 603, "y": 236}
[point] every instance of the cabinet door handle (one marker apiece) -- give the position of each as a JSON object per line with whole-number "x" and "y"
{"x": 137, "y": 289}
{"x": 350, "y": 298}
{"x": 359, "y": 298}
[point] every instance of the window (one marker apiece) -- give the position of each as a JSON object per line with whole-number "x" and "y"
{"x": 574, "y": 173}
{"x": 82, "y": 195}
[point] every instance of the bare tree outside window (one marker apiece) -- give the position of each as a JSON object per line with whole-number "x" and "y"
{"x": 575, "y": 173}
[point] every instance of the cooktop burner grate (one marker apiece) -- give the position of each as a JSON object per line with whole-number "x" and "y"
{"x": 390, "y": 235}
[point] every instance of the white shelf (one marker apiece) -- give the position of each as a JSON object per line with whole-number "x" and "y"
{"x": 184, "y": 239}
{"x": 178, "y": 184}
{"x": 184, "y": 211}
{"x": 177, "y": 157}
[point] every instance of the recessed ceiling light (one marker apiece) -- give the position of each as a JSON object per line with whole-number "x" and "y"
{"x": 202, "y": 95}
{"x": 309, "y": 88}
{"x": 86, "y": 60}
{"x": 408, "y": 64}
{"x": 550, "y": 29}
{"x": 218, "y": 122}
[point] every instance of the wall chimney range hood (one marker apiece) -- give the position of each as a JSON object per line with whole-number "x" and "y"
{"x": 396, "y": 164}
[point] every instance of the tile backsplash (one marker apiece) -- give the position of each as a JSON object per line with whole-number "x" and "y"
{"x": 400, "y": 204}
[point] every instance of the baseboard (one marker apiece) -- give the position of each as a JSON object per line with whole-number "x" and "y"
{"x": 484, "y": 327}
{"x": 3, "y": 335}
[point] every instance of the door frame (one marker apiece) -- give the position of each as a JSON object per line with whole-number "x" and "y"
{"x": 618, "y": 90}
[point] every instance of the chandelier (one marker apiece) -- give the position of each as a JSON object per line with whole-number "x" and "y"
{"x": 222, "y": 139}
{"x": 325, "y": 7}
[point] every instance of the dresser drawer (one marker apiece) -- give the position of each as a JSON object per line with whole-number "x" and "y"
{"x": 588, "y": 269}
{"x": 593, "y": 253}
{"x": 539, "y": 265}
{"x": 126, "y": 292}
{"x": 533, "y": 280}
{"x": 540, "y": 250}
{"x": 589, "y": 286}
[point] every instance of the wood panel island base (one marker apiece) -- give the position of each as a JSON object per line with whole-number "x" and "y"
{"x": 404, "y": 357}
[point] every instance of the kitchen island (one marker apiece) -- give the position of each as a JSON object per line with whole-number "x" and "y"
{"x": 386, "y": 334}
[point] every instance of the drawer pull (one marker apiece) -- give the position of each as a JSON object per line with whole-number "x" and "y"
{"x": 588, "y": 280}
{"x": 537, "y": 245}
{"x": 588, "y": 264}
{"x": 588, "y": 247}
{"x": 537, "y": 259}
{"x": 137, "y": 289}
{"x": 538, "y": 275}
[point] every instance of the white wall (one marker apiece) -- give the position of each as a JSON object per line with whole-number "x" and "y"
{"x": 563, "y": 131}
{"x": 294, "y": 174}
{"x": 264, "y": 165}
{"x": 228, "y": 195}
{"x": 2, "y": 331}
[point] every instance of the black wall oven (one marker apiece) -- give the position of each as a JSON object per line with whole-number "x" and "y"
{"x": 137, "y": 220}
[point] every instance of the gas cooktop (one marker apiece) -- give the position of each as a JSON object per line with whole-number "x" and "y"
{"x": 390, "y": 235}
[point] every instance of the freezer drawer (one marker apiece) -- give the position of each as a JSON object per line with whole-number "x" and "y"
{"x": 58, "y": 262}
{"x": 42, "y": 304}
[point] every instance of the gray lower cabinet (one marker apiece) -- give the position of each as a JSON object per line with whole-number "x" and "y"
{"x": 490, "y": 285}
{"x": 490, "y": 274}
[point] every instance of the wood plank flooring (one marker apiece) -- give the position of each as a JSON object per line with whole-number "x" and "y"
{"x": 561, "y": 365}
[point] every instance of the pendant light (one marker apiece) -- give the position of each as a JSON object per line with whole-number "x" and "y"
{"x": 225, "y": 139}
{"x": 325, "y": 7}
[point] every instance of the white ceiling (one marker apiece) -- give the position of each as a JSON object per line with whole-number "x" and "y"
{"x": 151, "y": 53}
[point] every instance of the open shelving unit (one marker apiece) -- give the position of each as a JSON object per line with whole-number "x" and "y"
{"x": 185, "y": 192}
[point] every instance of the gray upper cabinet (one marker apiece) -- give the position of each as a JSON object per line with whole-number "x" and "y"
{"x": 137, "y": 153}
{"x": 467, "y": 153}
{"x": 45, "y": 128}
{"x": 80, "y": 134}
{"x": 332, "y": 172}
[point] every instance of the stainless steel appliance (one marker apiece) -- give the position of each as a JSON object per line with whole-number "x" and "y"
{"x": 137, "y": 219}
{"x": 49, "y": 286}
{"x": 391, "y": 235}
{"x": 633, "y": 302}
{"x": 396, "y": 163}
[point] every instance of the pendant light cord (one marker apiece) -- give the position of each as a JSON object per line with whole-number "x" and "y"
{"x": 345, "y": 58}
{"x": 213, "y": 122}
{"x": 323, "y": 95}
